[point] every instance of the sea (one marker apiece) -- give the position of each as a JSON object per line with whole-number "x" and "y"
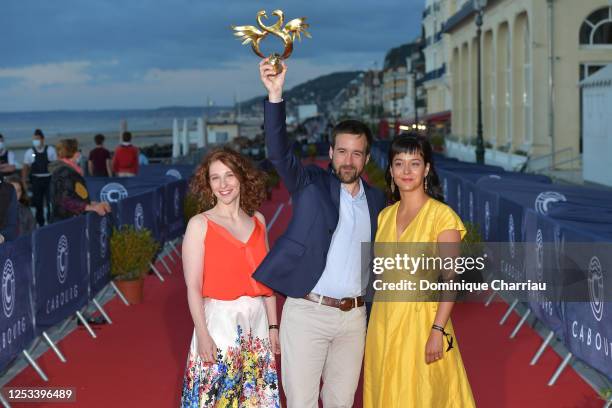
{"x": 18, "y": 127}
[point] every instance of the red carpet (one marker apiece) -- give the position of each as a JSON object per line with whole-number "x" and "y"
{"x": 138, "y": 361}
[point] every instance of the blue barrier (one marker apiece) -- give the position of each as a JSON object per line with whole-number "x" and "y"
{"x": 139, "y": 211}
{"x": 16, "y": 318}
{"x": 175, "y": 197}
{"x": 98, "y": 243}
{"x": 61, "y": 280}
{"x": 177, "y": 171}
{"x": 114, "y": 189}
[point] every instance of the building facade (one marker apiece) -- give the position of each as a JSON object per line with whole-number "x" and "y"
{"x": 436, "y": 81}
{"x": 534, "y": 55}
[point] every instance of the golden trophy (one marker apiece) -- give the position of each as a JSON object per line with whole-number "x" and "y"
{"x": 253, "y": 35}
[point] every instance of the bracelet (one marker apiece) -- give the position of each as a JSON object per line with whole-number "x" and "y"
{"x": 273, "y": 326}
{"x": 449, "y": 338}
{"x": 438, "y": 328}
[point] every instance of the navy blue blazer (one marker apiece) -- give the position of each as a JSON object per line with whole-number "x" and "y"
{"x": 296, "y": 261}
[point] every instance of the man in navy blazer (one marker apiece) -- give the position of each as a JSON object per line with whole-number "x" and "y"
{"x": 316, "y": 263}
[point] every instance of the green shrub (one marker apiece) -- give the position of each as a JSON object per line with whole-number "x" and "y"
{"x": 131, "y": 252}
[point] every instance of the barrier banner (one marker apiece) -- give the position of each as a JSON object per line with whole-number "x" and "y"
{"x": 113, "y": 189}
{"x": 543, "y": 263}
{"x": 139, "y": 211}
{"x": 99, "y": 230}
{"x": 61, "y": 280}
{"x": 177, "y": 171}
{"x": 16, "y": 319}
{"x": 175, "y": 197}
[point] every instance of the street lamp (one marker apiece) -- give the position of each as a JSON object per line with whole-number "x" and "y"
{"x": 479, "y": 6}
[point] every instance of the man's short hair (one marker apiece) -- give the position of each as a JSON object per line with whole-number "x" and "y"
{"x": 99, "y": 139}
{"x": 126, "y": 137}
{"x": 353, "y": 127}
{"x": 1, "y": 136}
{"x": 39, "y": 133}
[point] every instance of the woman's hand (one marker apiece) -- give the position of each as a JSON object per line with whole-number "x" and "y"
{"x": 207, "y": 349}
{"x": 275, "y": 341}
{"x": 99, "y": 208}
{"x": 271, "y": 81}
{"x": 434, "y": 349}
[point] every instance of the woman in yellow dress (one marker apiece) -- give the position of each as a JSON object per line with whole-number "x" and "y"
{"x": 411, "y": 359}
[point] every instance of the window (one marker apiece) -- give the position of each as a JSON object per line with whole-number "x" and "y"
{"x": 596, "y": 30}
{"x": 527, "y": 97}
{"x": 586, "y": 70}
{"x": 221, "y": 137}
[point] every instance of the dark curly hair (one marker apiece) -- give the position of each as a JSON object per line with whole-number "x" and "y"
{"x": 252, "y": 180}
{"x": 413, "y": 143}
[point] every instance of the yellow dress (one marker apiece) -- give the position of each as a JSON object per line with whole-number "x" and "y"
{"x": 395, "y": 373}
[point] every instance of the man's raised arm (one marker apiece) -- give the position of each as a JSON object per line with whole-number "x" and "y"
{"x": 279, "y": 149}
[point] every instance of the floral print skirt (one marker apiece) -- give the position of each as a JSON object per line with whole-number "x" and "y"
{"x": 244, "y": 373}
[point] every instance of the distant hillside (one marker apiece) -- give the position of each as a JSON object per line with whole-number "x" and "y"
{"x": 320, "y": 90}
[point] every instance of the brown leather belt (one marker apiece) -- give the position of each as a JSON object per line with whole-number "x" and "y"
{"x": 344, "y": 304}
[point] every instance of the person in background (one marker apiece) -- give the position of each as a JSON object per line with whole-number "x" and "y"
{"x": 25, "y": 219}
{"x": 125, "y": 160}
{"x": 99, "y": 163}
{"x": 7, "y": 159}
{"x": 69, "y": 196}
{"x": 8, "y": 212}
{"x": 36, "y": 170}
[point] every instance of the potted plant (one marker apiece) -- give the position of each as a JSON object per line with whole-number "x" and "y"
{"x": 132, "y": 251}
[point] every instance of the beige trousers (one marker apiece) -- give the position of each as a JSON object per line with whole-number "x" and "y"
{"x": 321, "y": 341}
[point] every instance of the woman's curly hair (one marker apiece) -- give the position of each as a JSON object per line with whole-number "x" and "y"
{"x": 252, "y": 180}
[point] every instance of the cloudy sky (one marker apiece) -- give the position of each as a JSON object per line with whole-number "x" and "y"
{"x": 117, "y": 54}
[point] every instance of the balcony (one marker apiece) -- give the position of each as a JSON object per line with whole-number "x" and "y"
{"x": 431, "y": 75}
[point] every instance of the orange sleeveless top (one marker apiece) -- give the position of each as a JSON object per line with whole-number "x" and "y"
{"x": 229, "y": 263}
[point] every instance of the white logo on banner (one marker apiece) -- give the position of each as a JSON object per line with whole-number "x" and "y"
{"x": 177, "y": 202}
{"x": 545, "y": 198}
{"x": 511, "y": 239}
{"x": 540, "y": 255}
{"x": 103, "y": 237}
{"x": 139, "y": 217}
{"x": 8, "y": 288}
{"x": 174, "y": 173}
{"x": 471, "y": 206}
{"x": 62, "y": 258}
{"x": 459, "y": 202}
{"x": 596, "y": 288}
{"x": 445, "y": 189}
{"x": 113, "y": 192}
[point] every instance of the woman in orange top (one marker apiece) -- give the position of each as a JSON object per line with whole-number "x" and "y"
{"x": 231, "y": 359}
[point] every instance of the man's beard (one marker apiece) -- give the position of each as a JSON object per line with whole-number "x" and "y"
{"x": 347, "y": 174}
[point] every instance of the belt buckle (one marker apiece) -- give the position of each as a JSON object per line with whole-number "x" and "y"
{"x": 346, "y": 304}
